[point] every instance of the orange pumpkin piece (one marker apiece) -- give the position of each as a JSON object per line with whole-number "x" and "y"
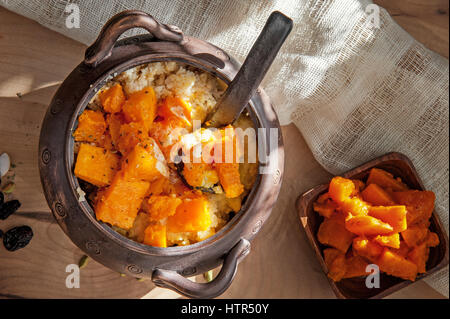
{"x": 141, "y": 107}
{"x": 341, "y": 189}
{"x": 393, "y": 215}
{"x": 112, "y": 99}
{"x": 359, "y": 185}
{"x": 355, "y": 267}
{"x": 114, "y": 122}
{"x": 141, "y": 164}
{"x": 155, "y": 235}
{"x": 192, "y": 215}
{"x": 419, "y": 256}
{"x": 397, "y": 266}
{"x": 96, "y": 165}
{"x": 415, "y": 235}
{"x": 334, "y": 234}
{"x": 392, "y": 241}
{"x": 200, "y": 175}
{"x": 91, "y": 127}
{"x": 161, "y": 206}
{"x": 367, "y": 225}
{"x": 323, "y": 198}
{"x": 366, "y": 248}
{"x": 354, "y": 206}
{"x": 419, "y": 204}
{"x": 403, "y": 251}
{"x": 230, "y": 179}
{"x": 130, "y": 135}
{"x": 432, "y": 239}
{"x": 377, "y": 196}
{"x": 385, "y": 180}
{"x": 119, "y": 204}
{"x": 336, "y": 263}
{"x": 325, "y": 209}
{"x": 177, "y": 110}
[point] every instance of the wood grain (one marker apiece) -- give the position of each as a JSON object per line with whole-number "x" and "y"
{"x": 34, "y": 61}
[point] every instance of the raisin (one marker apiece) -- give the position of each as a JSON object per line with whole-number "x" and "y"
{"x": 1, "y": 233}
{"x": 9, "y": 208}
{"x": 2, "y": 199}
{"x": 17, "y": 237}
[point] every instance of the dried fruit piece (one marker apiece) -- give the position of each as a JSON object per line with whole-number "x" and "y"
{"x": 9, "y": 208}
{"x": 17, "y": 237}
{"x": 2, "y": 199}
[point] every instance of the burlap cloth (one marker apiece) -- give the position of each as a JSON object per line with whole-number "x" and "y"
{"x": 354, "y": 89}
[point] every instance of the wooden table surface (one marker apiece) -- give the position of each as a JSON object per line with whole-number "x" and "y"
{"x": 34, "y": 61}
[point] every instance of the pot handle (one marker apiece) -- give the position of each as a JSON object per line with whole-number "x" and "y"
{"x": 121, "y": 22}
{"x": 172, "y": 280}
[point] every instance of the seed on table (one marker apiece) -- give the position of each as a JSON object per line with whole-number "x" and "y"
{"x": 5, "y": 164}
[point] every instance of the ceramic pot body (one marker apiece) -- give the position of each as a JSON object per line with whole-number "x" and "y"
{"x": 167, "y": 267}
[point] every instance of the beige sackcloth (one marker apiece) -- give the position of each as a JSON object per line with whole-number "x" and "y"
{"x": 355, "y": 83}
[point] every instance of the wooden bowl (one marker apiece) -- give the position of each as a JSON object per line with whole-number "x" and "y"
{"x": 400, "y": 166}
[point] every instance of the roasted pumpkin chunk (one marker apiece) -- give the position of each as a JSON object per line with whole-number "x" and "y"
{"x": 397, "y": 266}
{"x": 419, "y": 204}
{"x": 366, "y": 248}
{"x": 119, "y": 204}
{"x": 141, "y": 107}
{"x": 341, "y": 189}
{"x": 114, "y": 122}
{"x": 354, "y": 206}
{"x": 142, "y": 164}
{"x": 367, "y": 226}
{"x": 200, "y": 175}
{"x": 334, "y": 234}
{"x": 155, "y": 235}
{"x": 419, "y": 256}
{"x": 112, "y": 99}
{"x": 91, "y": 126}
{"x": 393, "y": 215}
{"x": 377, "y": 196}
{"x": 161, "y": 206}
{"x": 96, "y": 165}
{"x": 415, "y": 235}
{"x": 176, "y": 110}
{"x": 325, "y": 209}
{"x": 230, "y": 179}
{"x": 385, "y": 180}
{"x": 130, "y": 135}
{"x": 336, "y": 263}
{"x": 392, "y": 241}
{"x": 355, "y": 267}
{"x": 192, "y": 215}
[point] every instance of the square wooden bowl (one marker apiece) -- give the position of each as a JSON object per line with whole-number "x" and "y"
{"x": 400, "y": 166}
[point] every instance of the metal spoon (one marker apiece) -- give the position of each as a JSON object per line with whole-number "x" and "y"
{"x": 252, "y": 72}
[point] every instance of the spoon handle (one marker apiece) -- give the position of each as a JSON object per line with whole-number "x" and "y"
{"x": 252, "y": 72}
